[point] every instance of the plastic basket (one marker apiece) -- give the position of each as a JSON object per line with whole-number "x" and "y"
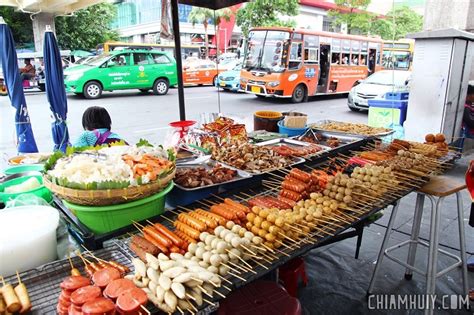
{"x": 23, "y": 169}
{"x": 105, "y": 219}
{"x": 401, "y": 96}
{"x": 290, "y": 131}
{"x": 41, "y": 191}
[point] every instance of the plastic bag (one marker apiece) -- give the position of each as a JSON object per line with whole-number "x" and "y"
{"x": 26, "y": 200}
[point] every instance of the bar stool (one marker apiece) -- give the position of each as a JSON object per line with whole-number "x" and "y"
{"x": 438, "y": 187}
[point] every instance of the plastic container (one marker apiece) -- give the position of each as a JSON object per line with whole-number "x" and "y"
{"x": 266, "y": 120}
{"x": 291, "y": 131}
{"x": 104, "y": 219}
{"x": 400, "y": 96}
{"x": 383, "y": 113}
{"x": 23, "y": 169}
{"x": 41, "y": 191}
{"x": 180, "y": 197}
{"x": 28, "y": 238}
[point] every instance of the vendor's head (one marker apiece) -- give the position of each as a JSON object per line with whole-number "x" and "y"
{"x": 96, "y": 117}
{"x": 27, "y": 61}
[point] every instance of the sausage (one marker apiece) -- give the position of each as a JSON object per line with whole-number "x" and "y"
{"x": 290, "y": 194}
{"x": 220, "y": 220}
{"x": 129, "y": 301}
{"x": 158, "y": 236}
{"x": 185, "y": 237}
{"x": 276, "y": 203}
{"x": 189, "y": 231}
{"x": 292, "y": 185}
{"x": 73, "y": 310}
{"x": 85, "y": 294}
{"x": 140, "y": 252}
{"x": 237, "y": 205}
{"x": 155, "y": 242}
{"x": 192, "y": 222}
{"x": 288, "y": 201}
{"x": 211, "y": 223}
{"x": 239, "y": 213}
{"x": 104, "y": 276}
{"x": 99, "y": 305}
{"x": 259, "y": 202}
{"x": 22, "y": 294}
{"x": 62, "y": 310}
{"x": 89, "y": 270}
{"x": 145, "y": 245}
{"x": 300, "y": 175}
{"x": 175, "y": 249}
{"x": 11, "y": 300}
{"x": 123, "y": 269}
{"x": 116, "y": 287}
{"x": 169, "y": 234}
{"x": 226, "y": 214}
{"x": 73, "y": 283}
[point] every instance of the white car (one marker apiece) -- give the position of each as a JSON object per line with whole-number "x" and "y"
{"x": 376, "y": 85}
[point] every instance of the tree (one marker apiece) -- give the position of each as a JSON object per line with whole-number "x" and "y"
{"x": 20, "y": 24}
{"x": 266, "y": 13}
{"x": 353, "y": 13}
{"x": 202, "y": 16}
{"x": 87, "y": 28}
{"x": 398, "y": 22}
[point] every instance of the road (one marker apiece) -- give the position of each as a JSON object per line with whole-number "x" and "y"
{"x": 136, "y": 116}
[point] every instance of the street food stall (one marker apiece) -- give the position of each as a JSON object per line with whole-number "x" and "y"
{"x": 178, "y": 229}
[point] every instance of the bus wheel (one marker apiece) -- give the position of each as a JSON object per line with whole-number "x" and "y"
{"x": 160, "y": 87}
{"x": 92, "y": 90}
{"x": 299, "y": 94}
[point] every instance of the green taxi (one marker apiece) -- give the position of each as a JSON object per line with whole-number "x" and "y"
{"x": 122, "y": 70}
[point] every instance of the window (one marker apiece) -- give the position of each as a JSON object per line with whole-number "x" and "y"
{"x": 118, "y": 61}
{"x": 311, "y": 49}
{"x": 346, "y": 58}
{"x": 295, "y": 56}
{"x": 329, "y": 26}
{"x": 141, "y": 59}
{"x": 336, "y": 58}
{"x": 160, "y": 59}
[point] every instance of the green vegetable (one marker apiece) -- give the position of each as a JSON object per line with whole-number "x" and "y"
{"x": 143, "y": 143}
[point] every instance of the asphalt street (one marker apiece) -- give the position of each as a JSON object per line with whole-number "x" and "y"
{"x": 135, "y": 115}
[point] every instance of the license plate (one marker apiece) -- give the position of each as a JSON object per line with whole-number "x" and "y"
{"x": 255, "y": 89}
{"x": 222, "y": 83}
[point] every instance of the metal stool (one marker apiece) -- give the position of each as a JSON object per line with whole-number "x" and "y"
{"x": 438, "y": 187}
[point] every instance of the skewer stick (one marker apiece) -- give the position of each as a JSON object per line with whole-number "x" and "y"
{"x": 70, "y": 261}
{"x": 238, "y": 277}
{"x": 246, "y": 248}
{"x": 287, "y": 237}
{"x": 190, "y": 296}
{"x": 262, "y": 265}
{"x": 220, "y": 294}
{"x": 218, "y": 197}
{"x": 144, "y": 308}
{"x": 214, "y": 284}
{"x": 3, "y": 280}
{"x": 226, "y": 280}
{"x": 242, "y": 268}
{"x": 192, "y": 305}
{"x": 270, "y": 249}
{"x": 238, "y": 257}
{"x": 18, "y": 277}
{"x": 208, "y": 302}
{"x": 258, "y": 247}
{"x": 137, "y": 223}
{"x": 284, "y": 245}
{"x": 180, "y": 310}
{"x": 167, "y": 219}
{"x": 230, "y": 268}
{"x": 204, "y": 291}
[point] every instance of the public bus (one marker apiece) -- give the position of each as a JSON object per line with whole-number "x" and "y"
{"x": 186, "y": 50}
{"x": 398, "y": 55}
{"x": 297, "y": 63}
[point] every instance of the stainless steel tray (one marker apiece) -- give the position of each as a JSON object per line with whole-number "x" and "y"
{"x": 241, "y": 175}
{"x": 316, "y": 127}
{"x": 296, "y": 160}
{"x": 294, "y": 143}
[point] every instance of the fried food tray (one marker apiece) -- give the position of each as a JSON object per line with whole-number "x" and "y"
{"x": 241, "y": 175}
{"x": 43, "y": 282}
{"x": 297, "y": 144}
{"x": 318, "y": 127}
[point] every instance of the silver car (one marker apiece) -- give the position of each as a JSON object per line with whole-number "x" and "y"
{"x": 376, "y": 85}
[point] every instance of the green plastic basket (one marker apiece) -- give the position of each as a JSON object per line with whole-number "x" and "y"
{"x": 105, "y": 219}
{"x": 23, "y": 169}
{"x": 41, "y": 191}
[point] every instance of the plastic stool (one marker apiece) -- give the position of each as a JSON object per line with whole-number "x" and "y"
{"x": 438, "y": 187}
{"x": 260, "y": 298}
{"x": 290, "y": 273}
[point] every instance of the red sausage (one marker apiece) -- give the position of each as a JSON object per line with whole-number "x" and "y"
{"x": 140, "y": 252}
{"x": 300, "y": 175}
{"x": 189, "y": 231}
{"x": 173, "y": 237}
{"x": 158, "y": 236}
{"x": 73, "y": 283}
{"x": 152, "y": 240}
{"x": 228, "y": 215}
{"x": 72, "y": 310}
{"x": 146, "y": 245}
{"x": 237, "y": 205}
{"x": 116, "y": 287}
{"x": 130, "y": 301}
{"x": 288, "y": 201}
{"x": 104, "y": 276}
{"x": 62, "y": 310}
{"x": 239, "y": 213}
{"x": 85, "y": 294}
{"x": 98, "y": 306}
{"x": 290, "y": 194}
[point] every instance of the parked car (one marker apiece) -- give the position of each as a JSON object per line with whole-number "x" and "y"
{"x": 201, "y": 72}
{"x": 376, "y": 85}
{"x": 122, "y": 70}
{"x": 230, "y": 80}
{"x": 3, "y": 87}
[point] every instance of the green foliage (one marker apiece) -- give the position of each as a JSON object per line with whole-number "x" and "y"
{"x": 353, "y": 14}
{"x": 87, "y": 28}
{"x": 143, "y": 143}
{"x": 399, "y": 22}
{"x": 20, "y": 24}
{"x": 266, "y": 13}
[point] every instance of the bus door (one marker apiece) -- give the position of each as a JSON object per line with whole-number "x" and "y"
{"x": 374, "y": 57}
{"x": 311, "y": 61}
{"x": 324, "y": 66}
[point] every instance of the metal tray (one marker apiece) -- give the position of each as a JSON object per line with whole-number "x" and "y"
{"x": 315, "y": 126}
{"x": 241, "y": 175}
{"x": 296, "y": 160}
{"x": 294, "y": 143}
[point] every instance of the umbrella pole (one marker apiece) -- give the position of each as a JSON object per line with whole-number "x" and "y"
{"x": 179, "y": 64}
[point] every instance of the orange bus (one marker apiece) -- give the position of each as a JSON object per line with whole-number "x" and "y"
{"x": 297, "y": 63}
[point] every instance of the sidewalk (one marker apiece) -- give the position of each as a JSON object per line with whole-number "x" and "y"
{"x": 338, "y": 282}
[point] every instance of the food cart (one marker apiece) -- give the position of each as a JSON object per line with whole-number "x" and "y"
{"x": 254, "y": 206}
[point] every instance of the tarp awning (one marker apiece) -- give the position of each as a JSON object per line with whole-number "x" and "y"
{"x": 212, "y": 4}
{"x": 50, "y": 6}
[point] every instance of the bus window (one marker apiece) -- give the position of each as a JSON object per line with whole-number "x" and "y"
{"x": 363, "y": 59}
{"x": 295, "y": 56}
{"x": 311, "y": 49}
{"x": 336, "y": 58}
{"x": 346, "y": 59}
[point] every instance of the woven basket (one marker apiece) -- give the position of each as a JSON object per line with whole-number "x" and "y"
{"x": 106, "y": 197}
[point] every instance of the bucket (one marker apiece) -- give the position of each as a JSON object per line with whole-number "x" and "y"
{"x": 41, "y": 191}
{"x": 266, "y": 120}
{"x": 23, "y": 169}
{"x": 105, "y": 219}
{"x": 291, "y": 132}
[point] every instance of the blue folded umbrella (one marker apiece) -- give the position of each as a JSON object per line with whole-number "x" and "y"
{"x": 25, "y": 139}
{"x": 55, "y": 90}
